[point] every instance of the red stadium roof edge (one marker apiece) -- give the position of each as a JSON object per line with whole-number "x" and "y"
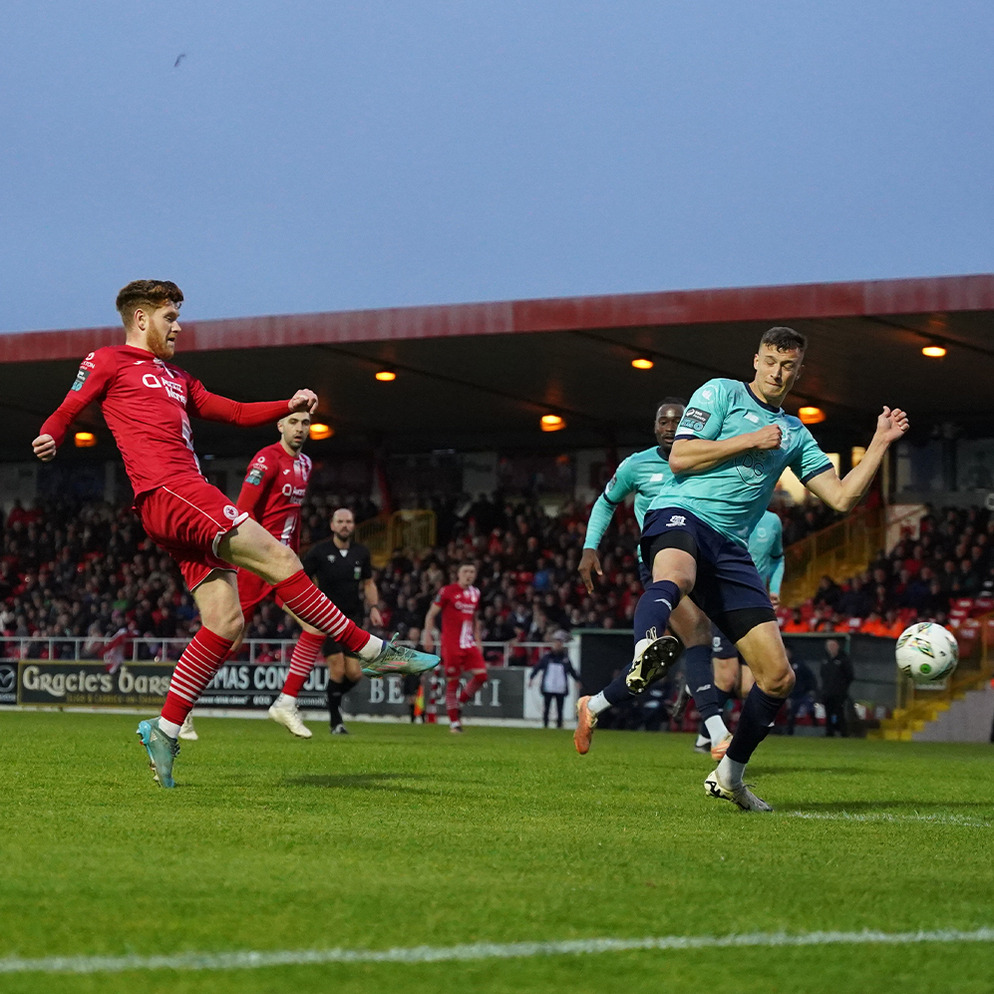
{"x": 767, "y": 303}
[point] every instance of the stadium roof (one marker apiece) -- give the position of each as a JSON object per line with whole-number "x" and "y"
{"x": 479, "y": 376}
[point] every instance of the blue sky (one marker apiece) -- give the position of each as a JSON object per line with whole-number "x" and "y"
{"x": 317, "y": 156}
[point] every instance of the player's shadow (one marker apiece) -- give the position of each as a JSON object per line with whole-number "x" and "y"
{"x": 360, "y": 781}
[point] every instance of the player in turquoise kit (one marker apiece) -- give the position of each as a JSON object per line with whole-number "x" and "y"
{"x": 733, "y": 444}
{"x": 643, "y": 474}
{"x": 766, "y": 551}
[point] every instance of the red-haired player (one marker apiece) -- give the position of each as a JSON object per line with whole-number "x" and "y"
{"x": 147, "y": 403}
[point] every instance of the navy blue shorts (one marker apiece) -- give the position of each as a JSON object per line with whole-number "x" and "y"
{"x": 727, "y": 578}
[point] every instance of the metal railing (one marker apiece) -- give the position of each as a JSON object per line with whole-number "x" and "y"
{"x": 841, "y": 549}
{"x": 150, "y": 650}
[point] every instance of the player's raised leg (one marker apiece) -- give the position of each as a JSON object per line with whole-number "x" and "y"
{"x": 252, "y": 547}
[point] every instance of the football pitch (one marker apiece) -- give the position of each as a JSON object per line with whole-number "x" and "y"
{"x": 403, "y": 858}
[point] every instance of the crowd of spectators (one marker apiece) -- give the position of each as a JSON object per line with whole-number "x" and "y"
{"x": 88, "y": 571}
{"x": 923, "y": 576}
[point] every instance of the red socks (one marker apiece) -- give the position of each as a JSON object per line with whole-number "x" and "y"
{"x": 305, "y": 652}
{"x": 201, "y": 659}
{"x": 307, "y": 602}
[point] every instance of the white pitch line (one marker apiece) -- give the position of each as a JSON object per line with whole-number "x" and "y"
{"x": 959, "y": 821}
{"x": 254, "y": 960}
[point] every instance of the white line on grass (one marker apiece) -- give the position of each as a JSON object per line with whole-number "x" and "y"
{"x": 961, "y": 821}
{"x": 253, "y": 960}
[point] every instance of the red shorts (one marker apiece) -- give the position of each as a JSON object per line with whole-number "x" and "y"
{"x": 457, "y": 660}
{"x": 187, "y": 519}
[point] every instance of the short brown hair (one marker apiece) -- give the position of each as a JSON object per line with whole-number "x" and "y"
{"x": 145, "y": 293}
{"x": 784, "y": 339}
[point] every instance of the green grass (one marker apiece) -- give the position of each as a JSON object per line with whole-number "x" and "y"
{"x": 400, "y": 836}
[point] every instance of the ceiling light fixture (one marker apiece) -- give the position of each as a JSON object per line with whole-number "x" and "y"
{"x": 386, "y": 375}
{"x": 934, "y": 350}
{"x": 642, "y": 362}
{"x": 85, "y": 440}
{"x": 552, "y": 422}
{"x": 318, "y": 431}
{"x": 811, "y": 415}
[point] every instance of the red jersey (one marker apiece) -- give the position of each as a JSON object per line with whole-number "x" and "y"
{"x": 274, "y": 489}
{"x": 458, "y": 615}
{"x": 146, "y": 404}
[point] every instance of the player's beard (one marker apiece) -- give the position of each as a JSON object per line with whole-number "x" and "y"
{"x": 160, "y": 346}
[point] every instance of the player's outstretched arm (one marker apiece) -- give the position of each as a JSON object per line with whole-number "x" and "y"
{"x": 251, "y": 414}
{"x": 843, "y": 495}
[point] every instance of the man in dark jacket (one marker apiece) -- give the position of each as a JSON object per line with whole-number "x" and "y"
{"x": 555, "y": 668}
{"x": 836, "y": 676}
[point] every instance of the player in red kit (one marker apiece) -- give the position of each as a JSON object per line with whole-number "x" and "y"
{"x": 457, "y": 604}
{"x": 147, "y": 403}
{"x": 272, "y": 492}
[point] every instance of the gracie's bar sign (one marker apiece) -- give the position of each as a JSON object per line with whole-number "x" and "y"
{"x": 249, "y": 686}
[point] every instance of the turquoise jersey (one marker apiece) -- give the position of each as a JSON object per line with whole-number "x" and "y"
{"x": 643, "y": 474}
{"x": 732, "y": 496}
{"x": 766, "y": 549}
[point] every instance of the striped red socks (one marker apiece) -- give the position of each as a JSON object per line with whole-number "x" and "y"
{"x": 201, "y": 659}
{"x": 305, "y": 652}
{"x": 307, "y": 602}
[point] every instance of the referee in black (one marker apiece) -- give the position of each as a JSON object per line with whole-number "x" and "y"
{"x": 340, "y": 569}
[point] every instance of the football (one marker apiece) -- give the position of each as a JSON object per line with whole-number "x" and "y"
{"x": 926, "y": 652}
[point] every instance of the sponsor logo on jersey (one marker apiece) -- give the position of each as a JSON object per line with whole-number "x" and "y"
{"x": 80, "y": 379}
{"x": 751, "y": 417}
{"x": 254, "y": 476}
{"x": 695, "y": 419}
{"x": 656, "y": 478}
{"x": 676, "y": 521}
{"x": 176, "y": 391}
